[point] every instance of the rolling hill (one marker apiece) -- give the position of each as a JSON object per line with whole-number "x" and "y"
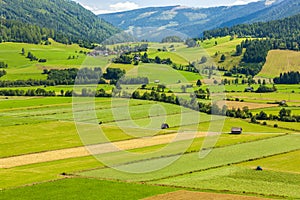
{"x": 193, "y": 21}
{"x": 73, "y": 22}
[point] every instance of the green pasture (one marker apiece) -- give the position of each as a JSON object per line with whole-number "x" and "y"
{"x": 230, "y": 155}
{"x": 32, "y": 122}
{"x": 288, "y": 88}
{"x": 11, "y": 103}
{"x": 21, "y": 68}
{"x": 276, "y": 110}
{"x": 177, "y": 59}
{"x": 288, "y": 162}
{"x": 155, "y": 45}
{"x": 228, "y": 123}
{"x": 58, "y": 88}
{"x": 24, "y": 139}
{"x": 165, "y": 74}
{"x": 18, "y": 176}
{"x": 69, "y": 188}
{"x": 240, "y": 180}
{"x": 295, "y": 126}
{"x": 212, "y": 42}
{"x": 47, "y": 171}
{"x": 223, "y": 140}
{"x": 293, "y": 99}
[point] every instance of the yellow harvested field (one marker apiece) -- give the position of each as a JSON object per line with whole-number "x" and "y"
{"x": 279, "y": 61}
{"x": 95, "y": 149}
{"x": 183, "y": 194}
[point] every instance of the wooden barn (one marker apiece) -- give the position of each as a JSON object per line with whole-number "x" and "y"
{"x": 164, "y": 126}
{"x": 236, "y": 130}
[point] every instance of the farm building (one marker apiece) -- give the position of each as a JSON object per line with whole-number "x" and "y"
{"x": 165, "y": 126}
{"x": 236, "y": 130}
{"x": 249, "y": 89}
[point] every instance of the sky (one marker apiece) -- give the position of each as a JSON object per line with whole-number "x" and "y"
{"x": 109, "y": 6}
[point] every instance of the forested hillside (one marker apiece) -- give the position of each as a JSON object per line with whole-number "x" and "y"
{"x": 285, "y": 29}
{"x": 16, "y": 31}
{"x": 70, "y": 21}
{"x": 278, "y": 10}
{"x": 278, "y": 34}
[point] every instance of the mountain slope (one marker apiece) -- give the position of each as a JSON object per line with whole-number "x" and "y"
{"x": 278, "y": 10}
{"x": 64, "y": 16}
{"x": 193, "y": 21}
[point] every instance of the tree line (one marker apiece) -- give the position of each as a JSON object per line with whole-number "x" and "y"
{"x": 283, "y": 115}
{"x": 73, "y": 75}
{"x": 288, "y": 78}
{"x": 29, "y": 92}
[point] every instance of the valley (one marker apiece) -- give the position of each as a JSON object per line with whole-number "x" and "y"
{"x": 212, "y": 116}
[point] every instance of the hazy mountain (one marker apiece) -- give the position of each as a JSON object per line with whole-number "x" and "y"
{"x": 278, "y": 10}
{"x": 193, "y": 21}
{"x": 64, "y": 16}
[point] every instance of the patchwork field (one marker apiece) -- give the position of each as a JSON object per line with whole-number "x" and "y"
{"x": 61, "y": 146}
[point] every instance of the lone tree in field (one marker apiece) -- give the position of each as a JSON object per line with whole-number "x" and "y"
{"x": 223, "y": 58}
{"x": 239, "y": 50}
{"x": 203, "y": 60}
{"x": 198, "y": 83}
{"x": 23, "y": 51}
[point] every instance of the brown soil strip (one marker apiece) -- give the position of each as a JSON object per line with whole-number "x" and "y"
{"x": 236, "y": 104}
{"x": 189, "y": 195}
{"x": 95, "y": 149}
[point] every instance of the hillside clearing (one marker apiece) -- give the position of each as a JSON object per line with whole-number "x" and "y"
{"x": 279, "y": 61}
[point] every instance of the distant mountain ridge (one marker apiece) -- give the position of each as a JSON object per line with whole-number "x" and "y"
{"x": 193, "y": 21}
{"x": 66, "y": 17}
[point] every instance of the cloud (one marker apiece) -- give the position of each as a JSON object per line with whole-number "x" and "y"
{"x": 243, "y": 2}
{"x": 123, "y": 6}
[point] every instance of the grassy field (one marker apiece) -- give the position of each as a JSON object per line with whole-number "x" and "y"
{"x": 229, "y": 155}
{"x": 21, "y": 68}
{"x": 241, "y": 180}
{"x": 275, "y": 110}
{"x": 279, "y": 61}
{"x": 288, "y": 162}
{"x": 50, "y": 170}
{"x": 88, "y": 189}
{"x": 34, "y": 125}
{"x": 292, "y": 99}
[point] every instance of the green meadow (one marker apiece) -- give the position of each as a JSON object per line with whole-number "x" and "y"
{"x": 43, "y": 124}
{"x": 57, "y": 55}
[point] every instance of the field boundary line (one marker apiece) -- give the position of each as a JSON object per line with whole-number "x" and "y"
{"x": 189, "y": 152}
{"x": 221, "y": 166}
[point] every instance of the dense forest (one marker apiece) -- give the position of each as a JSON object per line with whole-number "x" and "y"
{"x": 15, "y": 31}
{"x": 288, "y": 28}
{"x": 71, "y": 22}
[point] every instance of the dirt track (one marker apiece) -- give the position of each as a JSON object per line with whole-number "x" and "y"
{"x": 95, "y": 149}
{"x": 188, "y": 195}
